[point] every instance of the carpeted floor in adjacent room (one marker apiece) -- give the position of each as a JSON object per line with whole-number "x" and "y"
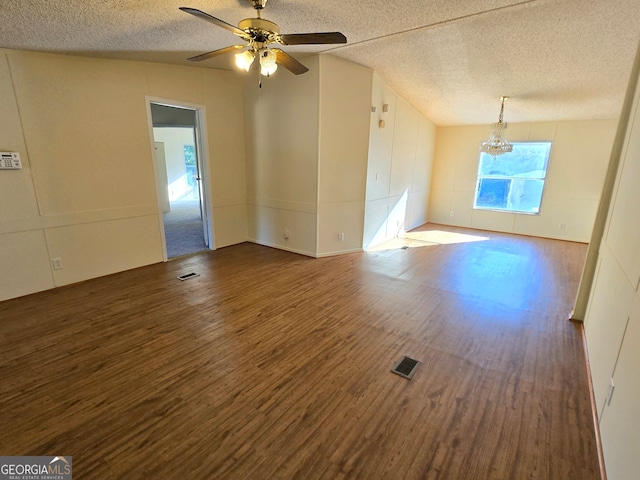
{"x": 183, "y": 228}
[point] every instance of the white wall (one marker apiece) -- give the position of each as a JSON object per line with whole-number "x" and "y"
{"x": 86, "y": 193}
{"x": 399, "y": 166}
{"x": 612, "y": 322}
{"x": 579, "y": 155}
{"x": 174, "y": 140}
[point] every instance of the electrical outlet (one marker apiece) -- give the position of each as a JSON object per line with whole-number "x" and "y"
{"x": 452, "y": 213}
{"x": 286, "y": 234}
{"x": 562, "y": 226}
{"x": 57, "y": 263}
{"x": 341, "y": 237}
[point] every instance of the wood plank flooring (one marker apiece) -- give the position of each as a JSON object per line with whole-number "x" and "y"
{"x": 271, "y": 365}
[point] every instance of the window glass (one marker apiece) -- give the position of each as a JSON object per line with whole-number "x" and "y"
{"x": 514, "y": 181}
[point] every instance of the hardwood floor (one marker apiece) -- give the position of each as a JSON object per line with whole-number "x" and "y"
{"x": 273, "y": 365}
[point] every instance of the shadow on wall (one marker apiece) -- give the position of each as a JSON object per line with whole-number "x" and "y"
{"x": 390, "y": 226}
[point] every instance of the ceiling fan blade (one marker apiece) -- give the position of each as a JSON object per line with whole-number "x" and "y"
{"x": 288, "y": 62}
{"x": 313, "y": 38}
{"x": 212, "y": 19}
{"x": 215, "y": 53}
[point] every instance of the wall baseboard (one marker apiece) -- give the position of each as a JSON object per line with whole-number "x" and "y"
{"x": 282, "y": 247}
{"x": 338, "y": 252}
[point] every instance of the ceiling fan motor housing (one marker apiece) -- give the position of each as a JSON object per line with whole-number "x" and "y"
{"x": 259, "y": 29}
{"x": 258, "y": 4}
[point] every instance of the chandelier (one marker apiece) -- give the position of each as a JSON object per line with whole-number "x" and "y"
{"x": 497, "y": 143}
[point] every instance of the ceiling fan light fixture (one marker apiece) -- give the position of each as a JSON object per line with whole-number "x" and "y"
{"x": 497, "y": 144}
{"x": 244, "y": 59}
{"x": 268, "y": 59}
{"x": 259, "y": 33}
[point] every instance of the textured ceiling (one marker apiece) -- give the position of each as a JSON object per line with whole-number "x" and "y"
{"x": 452, "y": 60}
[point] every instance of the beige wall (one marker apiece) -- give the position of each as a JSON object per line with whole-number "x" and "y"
{"x": 313, "y": 150}
{"x": 612, "y": 322}
{"x": 281, "y": 119}
{"x": 577, "y": 165}
{"x": 345, "y": 102}
{"x": 86, "y": 193}
{"x": 306, "y": 157}
{"x": 399, "y": 166}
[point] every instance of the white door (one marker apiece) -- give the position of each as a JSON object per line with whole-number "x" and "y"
{"x": 199, "y": 179}
{"x": 161, "y": 177}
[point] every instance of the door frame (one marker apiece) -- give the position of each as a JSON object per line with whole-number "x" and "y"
{"x": 202, "y": 149}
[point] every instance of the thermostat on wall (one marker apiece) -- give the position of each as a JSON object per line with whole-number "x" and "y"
{"x": 10, "y": 161}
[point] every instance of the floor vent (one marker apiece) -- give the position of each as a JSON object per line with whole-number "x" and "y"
{"x": 186, "y": 276}
{"x": 406, "y": 367}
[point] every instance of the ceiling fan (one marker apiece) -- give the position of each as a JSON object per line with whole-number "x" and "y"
{"x": 260, "y": 33}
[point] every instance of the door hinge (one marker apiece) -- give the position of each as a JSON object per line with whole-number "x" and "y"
{"x": 612, "y": 388}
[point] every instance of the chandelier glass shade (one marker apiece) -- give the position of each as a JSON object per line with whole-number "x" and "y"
{"x": 497, "y": 143}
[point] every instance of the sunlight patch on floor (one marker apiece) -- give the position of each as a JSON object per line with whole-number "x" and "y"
{"x": 444, "y": 238}
{"x": 429, "y": 238}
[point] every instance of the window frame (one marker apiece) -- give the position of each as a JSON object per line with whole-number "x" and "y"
{"x": 511, "y": 178}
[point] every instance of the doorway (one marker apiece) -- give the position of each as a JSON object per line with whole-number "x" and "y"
{"x": 180, "y": 168}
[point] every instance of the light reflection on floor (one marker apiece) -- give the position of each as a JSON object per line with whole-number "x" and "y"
{"x": 426, "y": 238}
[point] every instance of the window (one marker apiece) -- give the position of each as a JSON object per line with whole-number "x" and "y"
{"x": 513, "y": 182}
{"x": 190, "y": 164}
